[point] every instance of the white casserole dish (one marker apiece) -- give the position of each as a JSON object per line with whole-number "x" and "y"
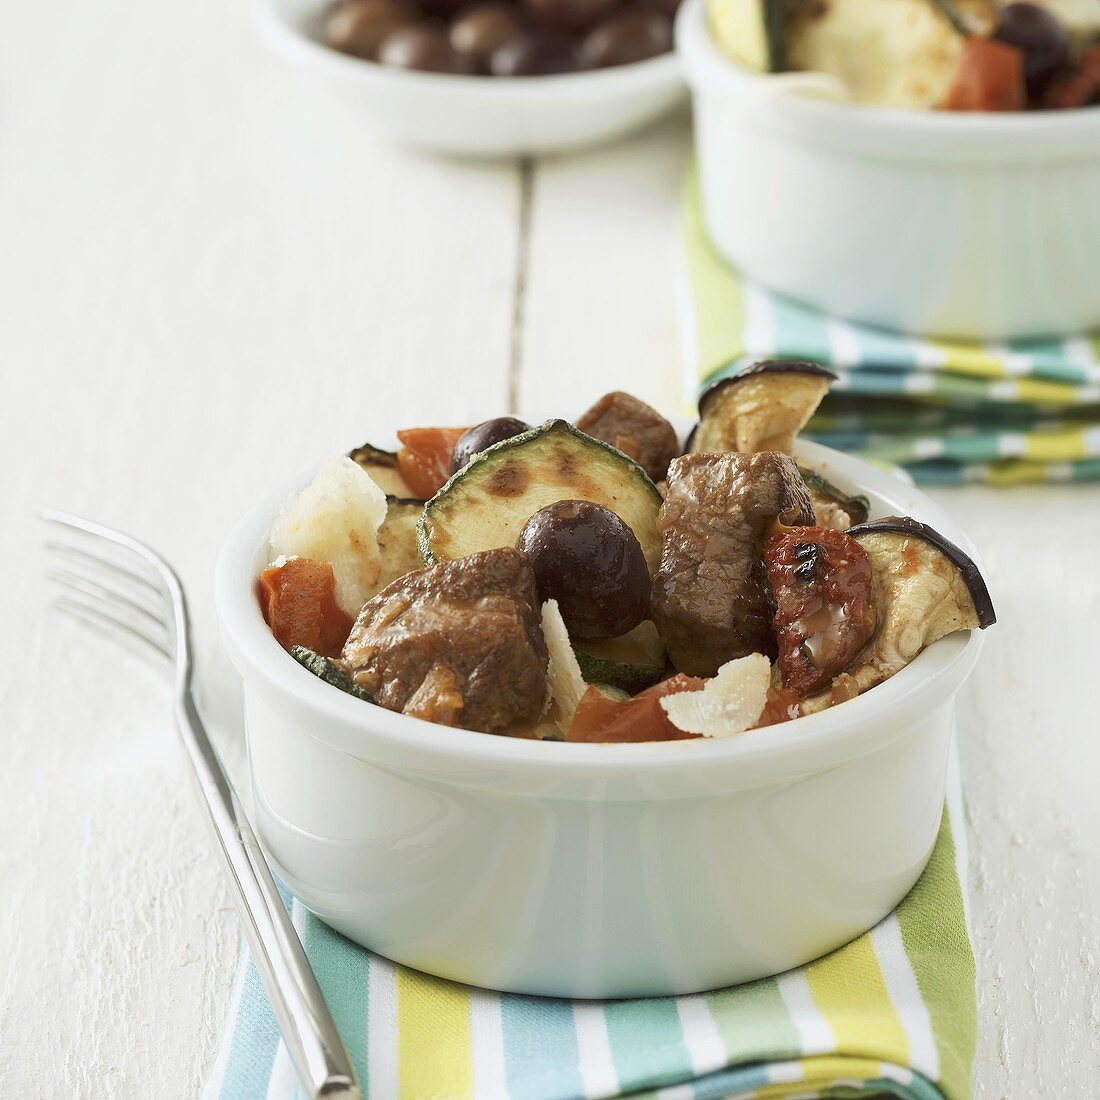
{"x": 582, "y": 870}
{"x": 477, "y": 116}
{"x": 979, "y": 226}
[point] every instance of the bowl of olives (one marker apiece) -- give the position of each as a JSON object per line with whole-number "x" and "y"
{"x": 488, "y": 77}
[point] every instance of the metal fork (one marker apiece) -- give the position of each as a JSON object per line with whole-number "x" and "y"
{"x": 153, "y": 612}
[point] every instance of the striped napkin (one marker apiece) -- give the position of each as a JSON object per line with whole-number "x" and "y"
{"x": 891, "y": 1013}
{"x": 947, "y": 412}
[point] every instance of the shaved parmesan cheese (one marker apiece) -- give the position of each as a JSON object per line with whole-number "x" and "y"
{"x": 564, "y": 674}
{"x": 336, "y": 519}
{"x": 730, "y": 703}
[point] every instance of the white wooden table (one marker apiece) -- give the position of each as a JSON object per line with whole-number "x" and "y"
{"x": 211, "y": 277}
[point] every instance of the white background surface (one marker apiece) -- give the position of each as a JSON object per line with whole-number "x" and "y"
{"x": 211, "y": 277}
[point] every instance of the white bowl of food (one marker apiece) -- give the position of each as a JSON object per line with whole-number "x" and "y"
{"x": 847, "y": 190}
{"x": 659, "y": 833}
{"x": 485, "y": 80}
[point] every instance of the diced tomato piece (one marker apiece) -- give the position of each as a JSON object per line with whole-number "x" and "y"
{"x": 425, "y": 458}
{"x": 990, "y": 77}
{"x": 642, "y": 718}
{"x": 298, "y": 599}
{"x": 780, "y": 706}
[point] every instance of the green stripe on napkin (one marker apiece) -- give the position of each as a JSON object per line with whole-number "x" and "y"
{"x": 892, "y": 1012}
{"x": 949, "y": 412}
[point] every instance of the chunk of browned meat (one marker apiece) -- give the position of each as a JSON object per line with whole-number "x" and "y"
{"x": 711, "y": 598}
{"x": 635, "y": 429}
{"x": 459, "y": 643}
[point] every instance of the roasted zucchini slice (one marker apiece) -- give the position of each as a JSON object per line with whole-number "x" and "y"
{"x": 383, "y": 469}
{"x": 329, "y": 671}
{"x": 486, "y": 504}
{"x": 753, "y": 32}
{"x": 632, "y": 662}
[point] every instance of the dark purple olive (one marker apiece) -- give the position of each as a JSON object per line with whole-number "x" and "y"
{"x": 588, "y": 560}
{"x": 1038, "y": 35}
{"x": 483, "y": 435}
{"x": 423, "y": 48}
{"x": 357, "y": 27}
{"x": 626, "y": 38}
{"x": 574, "y": 15}
{"x": 534, "y": 52}
{"x": 480, "y": 30}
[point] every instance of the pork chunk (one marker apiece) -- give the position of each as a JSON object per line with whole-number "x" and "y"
{"x": 634, "y": 428}
{"x": 711, "y": 597}
{"x": 459, "y": 643}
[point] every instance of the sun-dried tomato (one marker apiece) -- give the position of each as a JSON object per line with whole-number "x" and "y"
{"x": 825, "y": 609}
{"x": 425, "y": 458}
{"x": 990, "y": 77}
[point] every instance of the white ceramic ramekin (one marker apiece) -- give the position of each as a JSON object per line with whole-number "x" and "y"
{"x": 939, "y": 223}
{"x": 595, "y": 870}
{"x": 478, "y": 116}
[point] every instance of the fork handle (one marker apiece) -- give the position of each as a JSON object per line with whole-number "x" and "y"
{"x": 307, "y": 1027}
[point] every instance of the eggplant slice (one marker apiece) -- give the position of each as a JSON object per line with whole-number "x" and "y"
{"x": 925, "y": 588}
{"x": 761, "y": 408}
{"x": 383, "y": 469}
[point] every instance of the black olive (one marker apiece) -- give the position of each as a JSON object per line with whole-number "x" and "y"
{"x": 587, "y": 559}
{"x": 476, "y": 439}
{"x": 1038, "y": 35}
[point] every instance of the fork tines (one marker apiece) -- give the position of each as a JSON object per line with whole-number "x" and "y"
{"x": 104, "y": 592}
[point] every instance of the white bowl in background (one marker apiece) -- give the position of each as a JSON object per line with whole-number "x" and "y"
{"x": 982, "y": 226}
{"x": 478, "y": 116}
{"x": 587, "y": 870}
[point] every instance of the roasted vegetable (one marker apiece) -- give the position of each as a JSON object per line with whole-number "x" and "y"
{"x": 761, "y": 408}
{"x": 711, "y": 599}
{"x": 602, "y": 718}
{"x": 887, "y": 53}
{"x": 425, "y": 458}
{"x": 632, "y": 662}
{"x": 590, "y": 562}
{"x": 336, "y": 519}
{"x": 397, "y": 540}
{"x": 925, "y": 587}
{"x": 754, "y": 32}
{"x": 329, "y": 671}
{"x": 635, "y": 428}
{"x": 382, "y": 467}
{"x": 990, "y": 77}
{"x": 487, "y": 503}
{"x": 833, "y": 508}
{"x": 297, "y": 597}
{"x": 824, "y": 604}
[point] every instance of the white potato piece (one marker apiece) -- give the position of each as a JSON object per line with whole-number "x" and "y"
{"x": 336, "y": 519}
{"x": 564, "y": 673}
{"x": 731, "y": 702}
